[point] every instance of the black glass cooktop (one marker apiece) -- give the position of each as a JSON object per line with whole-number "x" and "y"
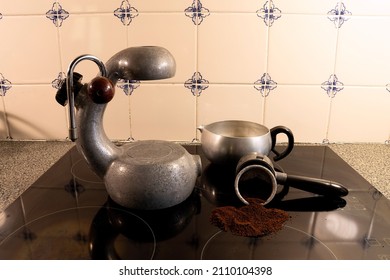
{"x": 67, "y": 214}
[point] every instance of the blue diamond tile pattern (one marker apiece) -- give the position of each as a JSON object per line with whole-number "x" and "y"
{"x": 339, "y": 15}
{"x": 196, "y": 84}
{"x": 57, "y": 14}
{"x": 269, "y": 13}
{"x": 126, "y": 13}
{"x": 128, "y": 86}
{"x": 197, "y": 12}
{"x": 332, "y": 86}
{"x": 265, "y": 84}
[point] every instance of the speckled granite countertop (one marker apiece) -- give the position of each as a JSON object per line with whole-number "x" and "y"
{"x": 22, "y": 162}
{"x": 369, "y": 160}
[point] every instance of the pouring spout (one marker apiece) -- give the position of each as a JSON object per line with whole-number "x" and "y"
{"x": 200, "y": 128}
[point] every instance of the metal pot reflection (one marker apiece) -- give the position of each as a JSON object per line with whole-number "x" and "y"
{"x": 121, "y": 233}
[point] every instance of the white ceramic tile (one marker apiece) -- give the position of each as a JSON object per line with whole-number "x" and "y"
{"x": 25, "y": 7}
{"x": 302, "y": 49}
{"x": 232, "y": 48}
{"x": 303, "y": 109}
{"x": 233, "y": 5}
{"x": 163, "y": 112}
{"x": 99, "y": 35}
{"x": 309, "y": 7}
{"x": 29, "y": 49}
{"x": 33, "y": 113}
{"x": 41, "y": 7}
{"x": 174, "y": 32}
{"x": 116, "y": 119}
{"x": 373, "y": 7}
{"x": 90, "y": 6}
{"x": 363, "y": 52}
{"x": 230, "y": 102}
{"x": 161, "y": 6}
{"x": 360, "y": 115}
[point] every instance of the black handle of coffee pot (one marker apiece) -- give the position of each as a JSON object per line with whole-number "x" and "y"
{"x": 274, "y": 132}
{"x": 314, "y": 185}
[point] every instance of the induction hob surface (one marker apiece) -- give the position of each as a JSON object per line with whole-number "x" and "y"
{"x": 67, "y": 214}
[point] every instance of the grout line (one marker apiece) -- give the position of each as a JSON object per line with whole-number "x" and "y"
{"x": 328, "y": 119}
{"x": 264, "y": 98}
{"x": 196, "y": 70}
{"x": 337, "y": 46}
{"x": 130, "y": 119}
{"x": 130, "y": 113}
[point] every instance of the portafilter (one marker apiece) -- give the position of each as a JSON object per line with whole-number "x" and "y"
{"x": 259, "y": 167}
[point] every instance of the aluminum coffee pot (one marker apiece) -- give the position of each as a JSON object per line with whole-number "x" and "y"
{"x": 149, "y": 174}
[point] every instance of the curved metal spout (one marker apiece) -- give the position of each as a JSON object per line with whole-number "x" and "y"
{"x": 70, "y": 89}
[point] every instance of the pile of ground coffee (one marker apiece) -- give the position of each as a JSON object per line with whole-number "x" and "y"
{"x": 253, "y": 220}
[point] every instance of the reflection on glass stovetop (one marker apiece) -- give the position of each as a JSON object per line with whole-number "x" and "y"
{"x": 66, "y": 214}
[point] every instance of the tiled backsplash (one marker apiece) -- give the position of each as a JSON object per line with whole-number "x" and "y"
{"x": 321, "y": 68}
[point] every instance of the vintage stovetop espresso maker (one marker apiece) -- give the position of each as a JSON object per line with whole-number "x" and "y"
{"x": 149, "y": 174}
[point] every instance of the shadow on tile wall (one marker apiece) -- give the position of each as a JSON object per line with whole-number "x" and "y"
{"x": 318, "y": 67}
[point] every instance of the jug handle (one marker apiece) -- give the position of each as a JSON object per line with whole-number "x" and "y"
{"x": 274, "y": 132}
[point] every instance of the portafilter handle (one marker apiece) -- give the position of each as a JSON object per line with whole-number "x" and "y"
{"x": 264, "y": 168}
{"x": 313, "y": 185}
